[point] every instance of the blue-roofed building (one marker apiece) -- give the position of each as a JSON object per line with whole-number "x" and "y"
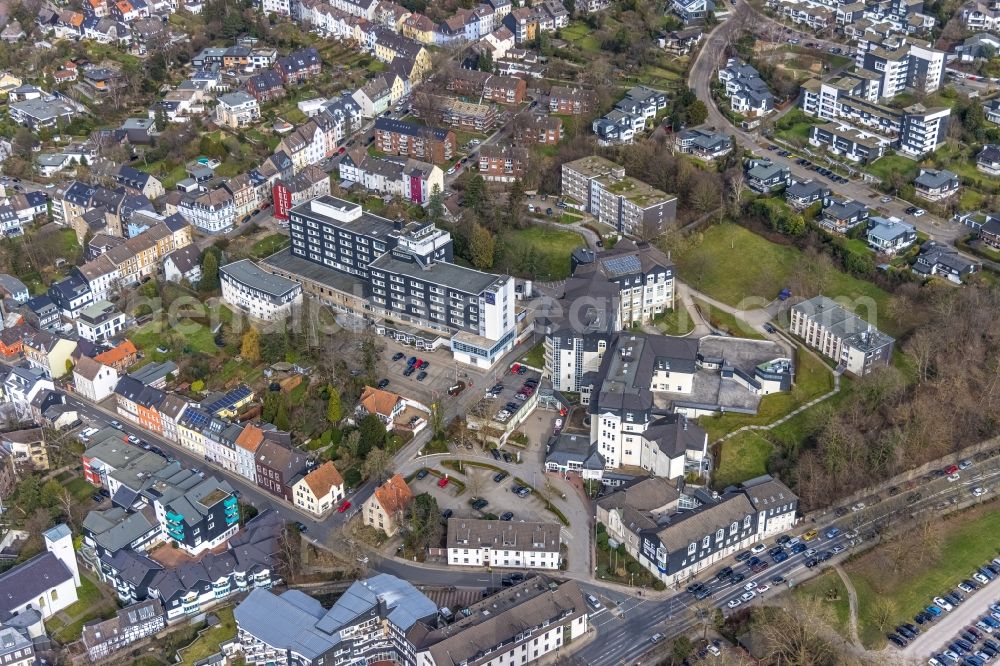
{"x": 890, "y": 235}
{"x": 227, "y": 405}
{"x": 368, "y": 623}
{"x": 72, "y": 294}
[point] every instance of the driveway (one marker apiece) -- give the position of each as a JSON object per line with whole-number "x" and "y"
{"x": 942, "y": 633}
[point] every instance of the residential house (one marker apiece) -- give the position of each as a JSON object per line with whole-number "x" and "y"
{"x": 212, "y": 212}
{"x": 532, "y": 129}
{"x": 384, "y": 509}
{"x": 183, "y": 264}
{"x": 602, "y": 188}
{"x": 803, "y": 193}
{"x": 989, "y": 233}
{"x": 139, "y": 181}
{"x": 139, "y": 403}
{"x": 237, "y": 109}
{"x": 320, "y": 490}
{"x": 681, "y": 42}
{"x": 992, "y": 111}
{"x": 94, "y": 380}
{"x": 988, "y": 159}
{"x": 131, "y": 624}
{"x": 499, "y": 544}
{"x": 503, "y": 163}
{"x": 49, "y": 353}
{"x": 171, "y": 410}
{"x": 37, "y": 114}
{"x": 748, "y": 94}
{"x": 765, "y": 176}
{"x": 431, "y": 144}
{"x": 842, "y": 215}
{"x": 384, "y": 404}
{"x": 889, "y": 236}
{"x": 100, "y": 321}
{"x": 692, "y": 11}
{"x": 572, "y": 101}
{"x": 299, "y": 66}
{"x": 409, "y": 179}
{"x": 265, "y": 86}
{"x": 121, "y": 357}
{"x": 11, "y": 287}
{"x": 704, "y": 144}
{"x": 28, "y": 448}
{"x": 936, "y": 185}
{"x": 279, "y": 468}
{"x": 944, "y": 261}
{"x": 374, "y": 97}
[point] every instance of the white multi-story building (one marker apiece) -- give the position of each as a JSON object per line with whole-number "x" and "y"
{"x": 857, "y": 346}
{"x": 213, "y": 212}
{"x": 320, "y": 490}
{"x": 237, "y": 109}
{"x": 257, "y": 292}
{"x": 94, "y": 380}
{"x": 100, "y": 321}
{"x": 498, "y": 543}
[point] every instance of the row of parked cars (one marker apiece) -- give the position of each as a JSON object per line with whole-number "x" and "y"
{"x": 526, "y": 391}
{"x": 972, "y": 646}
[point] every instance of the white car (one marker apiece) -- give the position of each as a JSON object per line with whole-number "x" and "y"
{"x": 953, "y": 477}
{"x": 858, "y": 507}
{"x": 559, "y": 423}
{"x": 714, "y": 650}
{"x": 981, "y": 578}
{"x": 758, "y": 549}
{"x": 886, "y": 199}
{"x": 450, "y": 171}
{"x": 919, "y": 212}
{"x": 748, "y": 596}
{"x": 979, "y": 491}
{"x": 749, "y": 586}
{"x": 941, "y": 603}
{"x": 733, "y": 603}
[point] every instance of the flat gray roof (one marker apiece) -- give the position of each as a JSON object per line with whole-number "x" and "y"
{"x": 248, "y": 273}
{"x": 453, "y": 276}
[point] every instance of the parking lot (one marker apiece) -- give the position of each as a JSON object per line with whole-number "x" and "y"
{"x": 501, "y": 397}
{"x": 442, "y": 372}
{"x": 938, "y": 637}
{"x": 479, "y": 483}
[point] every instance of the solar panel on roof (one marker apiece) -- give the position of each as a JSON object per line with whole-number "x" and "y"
{"x": 622, "y": 265}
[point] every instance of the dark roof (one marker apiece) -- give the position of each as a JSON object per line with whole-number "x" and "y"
{"x": 27, "y": 582}
{"x": 410, "y": 129}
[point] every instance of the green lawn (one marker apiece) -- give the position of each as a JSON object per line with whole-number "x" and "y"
{"x": 727, "y": 322}
{"x": 907, "y": 168}
{"x": 743, "y": 456}
{"x": 830, "y": 589}
{"x": 966, "y": 541}
{"x": 90, "y": 605}
{"x": 731, "y": 264}
{"x": 195, "y": 336}
{"x": 795, "y": 127}
{"x": 79, "y": 489}
{"x": 674, "y": 322}
{"x": 582, "y": 36}
{"x": 268, "y": 245}
{"x": 812, "y": 379}
{"x": 208, "y": 642}
{"x": 552, "y": 245}
{"x": 535, "y": 356}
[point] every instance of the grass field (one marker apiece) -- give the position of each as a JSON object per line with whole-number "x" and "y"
{"x": 268, "y": 245}
{"x": 553, "y": 246}
{"x": 581, "y": 35}
{"x": 812, "y": 379}
{"x": 743, "y": 456}
{"x": 208, "y": 642}
{"x": 674, "y": 322}
{"x": 727, "y": 322}
{"x": 891, "y": 575}
{"x": 90, "y": 605}
{"x": 795, "y": 127}
{"x": 195, "y": 336}
{"x": 731, "y": 264}
{"x": 535, "y": 356}
{"x": 907, "y": 168}
{"x": 828, "y": 588}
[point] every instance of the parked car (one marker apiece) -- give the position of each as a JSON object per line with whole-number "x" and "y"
{"x": 442, "y": 482}
{"x": 383, "y": 383}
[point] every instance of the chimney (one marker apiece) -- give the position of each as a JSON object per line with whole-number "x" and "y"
{"x": 398, "y": 224}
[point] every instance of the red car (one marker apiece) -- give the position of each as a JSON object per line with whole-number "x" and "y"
{"x": 342, "y": 150}
{"x": 443, "y": 482}
{"x": 951, "y": 469}
{"x": 514, "y": 368}
{"x": 344, "y": 507}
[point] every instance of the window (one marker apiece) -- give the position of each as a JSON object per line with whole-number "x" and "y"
{"x": 704, "y": 542}
{"x": 746, "y": 522}
{"x": 720, "y": 535}
{"x": 691, "y": 548}
{"x": 733, "y": 528}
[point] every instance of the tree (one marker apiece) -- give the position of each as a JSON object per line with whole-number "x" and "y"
{"x": 372, "y": 434}
{"x": 435, "y": 206}
{"x": 209, "y": 272}
{"x": 422, "y": 524}
{"x": 160, "y": 119}
{"x": 50, "y": 494}
{"x": 570, "y": 6}
{"x": 486, "y": 61}
{"x": 481, "y": 247}
{"x": 333, "y": 407}
{"x": 281, "y": 420}
{"x": 697, "y": 112}
{"x": 515, "y": 198}
{"x": 250, "y": 349}
{"x": 377, "y": 463}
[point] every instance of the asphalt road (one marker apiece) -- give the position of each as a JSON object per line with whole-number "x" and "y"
{"x": 703, "y": 70}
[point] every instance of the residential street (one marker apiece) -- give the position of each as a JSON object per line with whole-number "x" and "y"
{"x": 703, "y": 70}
